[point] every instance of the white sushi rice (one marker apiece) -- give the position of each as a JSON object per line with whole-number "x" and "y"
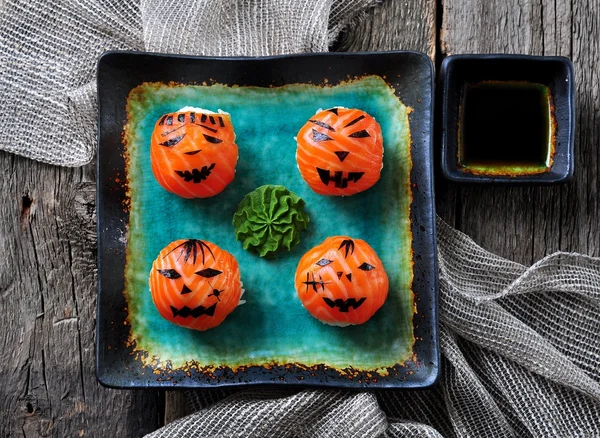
{"x": 342, "y": 107}
{"x": 242, "y": 294}
{"x": 337, "y": 324}
{"x": 321, "y": 109}
{"x": 187, "y": 109}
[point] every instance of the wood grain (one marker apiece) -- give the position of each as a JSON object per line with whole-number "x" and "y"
{"x": 47, "y": 219}
{"x": 176, "y": 406}
{"x": 48, "y": 302}
{"x": 394, "y": 25}
{"x": 526, "y": 223}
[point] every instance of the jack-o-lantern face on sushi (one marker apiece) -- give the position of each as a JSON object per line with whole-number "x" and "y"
{"x": 340, "y": 152}
{"x": 195, "y": 284}
{"x": 341, "y": 281}
{"x": 193, "y": 153}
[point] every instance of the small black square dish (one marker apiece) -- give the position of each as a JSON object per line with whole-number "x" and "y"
{"x": 507, "y": 119}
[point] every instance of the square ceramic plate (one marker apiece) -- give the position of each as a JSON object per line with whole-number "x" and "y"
{"x": 270, "y": 339}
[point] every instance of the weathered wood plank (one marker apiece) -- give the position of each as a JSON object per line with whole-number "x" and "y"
{"x": 526, "y": 223}
{"x": 48, "y": 302}
{"x": 580, "y": 223}
{"x": 175, "y": 406}
{"x": 394, "y": 25}
{"x": 500, "y": 218}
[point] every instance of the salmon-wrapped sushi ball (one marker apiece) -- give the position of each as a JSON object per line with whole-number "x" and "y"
{"x": 195, "y": 284}
{"x": 341, "y": 281}
{"x": 193, "y": 152}
{"x": 340, "y": 151}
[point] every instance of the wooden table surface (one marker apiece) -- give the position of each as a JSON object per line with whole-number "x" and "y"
{"x": 48, "y": 219}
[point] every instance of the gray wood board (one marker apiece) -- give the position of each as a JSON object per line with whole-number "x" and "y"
{"x": 526, "y": 223}
{"x": 47, "y": 219}
{"x": 48, "y": 302}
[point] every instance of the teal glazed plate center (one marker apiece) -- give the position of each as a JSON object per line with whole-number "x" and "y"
{"x": 272, "y": 326}
{"x": 270, "y": 338}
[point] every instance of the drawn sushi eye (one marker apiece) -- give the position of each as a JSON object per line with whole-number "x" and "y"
{"x": 172, "y": 142}
{"x": 319, "y": 136}
{"x": 211, "y": 139}
{"x": 360, "y": 134}
{"x": 366, "y": 267}
{"x": 208, "y": 273}
{"x": 169, "y": 273}
{"x": 322, "y": 125}
{"x": 352, "y": 122}
{"x": 324, "y": 262}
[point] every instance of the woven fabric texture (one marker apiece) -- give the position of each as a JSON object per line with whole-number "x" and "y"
{"x": 49, "y": 50}
{"x": 520, "y": 358}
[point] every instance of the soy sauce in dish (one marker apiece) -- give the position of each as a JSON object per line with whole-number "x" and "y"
{"x": 506, "y": 127}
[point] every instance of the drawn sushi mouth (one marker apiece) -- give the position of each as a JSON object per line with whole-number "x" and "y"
{"x": 337, "y": 177}
{"x": 196, "y": 175}
{"x": 339, "y": 303}
{"x": 197, "y": 312}
{"x": 344, "y": 305}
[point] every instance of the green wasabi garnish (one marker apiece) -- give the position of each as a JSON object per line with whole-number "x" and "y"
{"x": 270, "y": 219}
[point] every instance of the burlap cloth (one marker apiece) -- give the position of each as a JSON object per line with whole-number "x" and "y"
{"x": 520, "y": 346}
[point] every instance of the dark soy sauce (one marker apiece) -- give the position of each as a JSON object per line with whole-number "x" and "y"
{"x": 505, "y": 124}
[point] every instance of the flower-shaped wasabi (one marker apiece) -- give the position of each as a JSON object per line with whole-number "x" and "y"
{"x": 270, "y": 219}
